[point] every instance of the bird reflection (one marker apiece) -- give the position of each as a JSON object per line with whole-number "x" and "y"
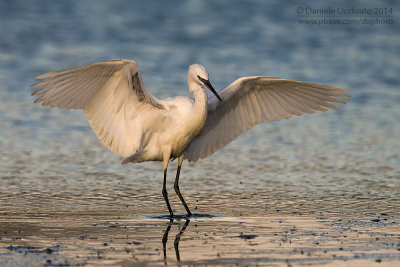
{"x": 176, "y": 241}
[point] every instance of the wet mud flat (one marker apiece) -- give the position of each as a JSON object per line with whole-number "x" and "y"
{"x": 106, "y": 237}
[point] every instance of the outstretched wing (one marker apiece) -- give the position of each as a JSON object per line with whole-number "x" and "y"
{"x": 116, "y": 103}
{"x": 249, "y": 101}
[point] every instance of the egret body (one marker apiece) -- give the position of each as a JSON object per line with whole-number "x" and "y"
{"x": 132, "y": 123}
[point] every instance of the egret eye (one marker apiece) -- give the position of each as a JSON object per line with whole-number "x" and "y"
{"x": 209, "y": 86}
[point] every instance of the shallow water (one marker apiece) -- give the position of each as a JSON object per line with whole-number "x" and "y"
{"x": 314, "y": 190}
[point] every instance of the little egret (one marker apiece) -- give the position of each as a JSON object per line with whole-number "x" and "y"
{"x": 132, "y": 123}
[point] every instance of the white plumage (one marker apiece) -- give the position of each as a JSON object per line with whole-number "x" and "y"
{"x": 132, "y": 123}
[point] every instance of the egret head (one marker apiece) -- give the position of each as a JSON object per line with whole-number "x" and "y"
{"x": 198, "y": 74}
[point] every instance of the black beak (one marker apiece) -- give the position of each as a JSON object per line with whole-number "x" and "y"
{"x": 209, "y": 86}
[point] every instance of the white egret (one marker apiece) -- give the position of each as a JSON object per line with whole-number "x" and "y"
{"x": 132, "y": 123}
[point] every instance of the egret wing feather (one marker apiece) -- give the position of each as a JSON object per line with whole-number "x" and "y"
{"x": 117, "y": 105}
{"x": 249, "y": 101}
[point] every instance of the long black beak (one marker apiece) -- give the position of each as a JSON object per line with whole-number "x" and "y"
{"x": 209, "y": 86}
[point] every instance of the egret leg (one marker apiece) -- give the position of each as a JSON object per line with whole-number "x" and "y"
{"x": 164, "y": 190}
{"x": 176, "y": 185}
{"x": 165, "y": 194}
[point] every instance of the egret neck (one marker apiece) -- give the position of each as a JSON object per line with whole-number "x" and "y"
{"x": 199, "y": 111}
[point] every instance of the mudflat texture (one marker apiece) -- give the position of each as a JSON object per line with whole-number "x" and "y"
{"x": 321, "y": 189}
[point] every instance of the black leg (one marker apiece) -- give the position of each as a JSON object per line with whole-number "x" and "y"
{"x": 165, "y": 194}
{"x": 176, "y": 187}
